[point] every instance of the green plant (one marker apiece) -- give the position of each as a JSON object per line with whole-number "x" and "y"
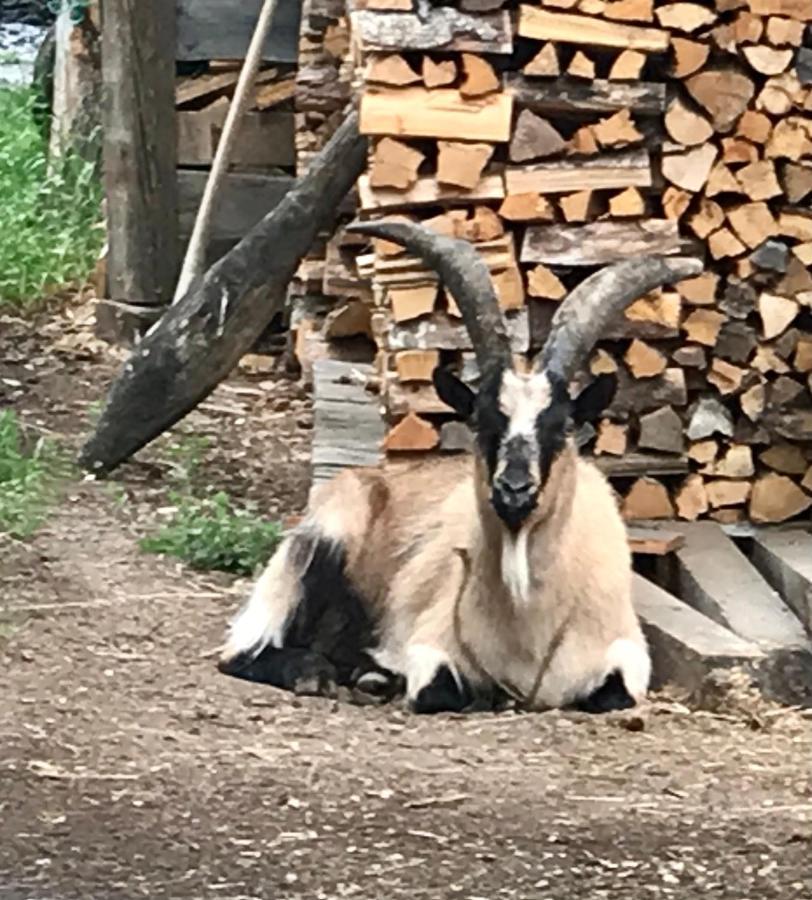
{"x": 210, "y": 533}
{"x": 185, "y": 455}
{"x": 50, "y": 216}
{"x": 27, "y": 478}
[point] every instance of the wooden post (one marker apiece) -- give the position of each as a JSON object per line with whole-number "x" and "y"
{"x": 140, "y": 149}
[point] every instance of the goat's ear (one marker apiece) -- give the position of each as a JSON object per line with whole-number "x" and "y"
{"x": 594, "y": 399}
{"x": 454, "y": 393}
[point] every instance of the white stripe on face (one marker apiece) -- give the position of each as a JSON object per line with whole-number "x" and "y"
{"x": 522, "y": 398}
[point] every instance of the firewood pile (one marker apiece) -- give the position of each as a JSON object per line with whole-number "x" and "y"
{"x": 562, "y": 137}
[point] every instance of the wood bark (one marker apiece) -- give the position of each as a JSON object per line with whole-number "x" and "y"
{"x": 200, "y": 339}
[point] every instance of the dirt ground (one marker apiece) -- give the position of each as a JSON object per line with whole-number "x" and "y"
{"x": 130, "y": 768}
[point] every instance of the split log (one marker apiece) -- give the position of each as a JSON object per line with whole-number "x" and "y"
{"x": 534, "y": 138}
{"x": 631, "y": 168}
{"x": 661, "y": 430}
{"x": 394, "y": 165}
{"x": 438, "y": 74}
{"x": 416, "y": 365}
{"x": 461, "y": 164}
{"x": 544, "y": 64}
{"x": 581, "y": 66}
{"x": 427, "y": 191}
{"x": 692, "y": 499}
{"x": 724, "y": 93}
{"x": 689, "y": 56}
{"x": 542, "y": 25}
{"x": 529, "y": 207}
{"x": 687, "y": 17}
{"x": 437, "y": 28}
{"x": 599, "y": 242}
{"x": 612, "y": 438}
{"x": 392, "y": 71}
{"x": 478, "y": 77}
{"x": 686, "y": 126}
{"x": 627, "y": 204}
{"x": 648, "y": 499}
{"x": 690, "y": 170}
{"x": 627, "y": 67}
{"x": 758, "y": 180}
{"x": 412, "y": 302}
{"x": 643, "y": 360}
{"x": 411, "y": 434}
{"x": 776, "y": 498}
{"x": 543, "y": 283}
{"x": 200, "y": 339}
{"x": 617, "y": 131}
{"x": 578, "y": 207}
{"x": 598, "y": 96}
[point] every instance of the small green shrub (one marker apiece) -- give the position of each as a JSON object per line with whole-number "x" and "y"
{"x": 211, "y": 534}
{"x": 27, "y": 478}
{"x": 50, "y": 218}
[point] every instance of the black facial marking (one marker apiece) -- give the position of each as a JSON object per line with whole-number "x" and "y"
{"x": 552, "y": 426}
{"x": 443, "y": 694}
{"x": 490, "y": 422}
{"x": 611, "y": 695}
{"x": 289, "y": 668}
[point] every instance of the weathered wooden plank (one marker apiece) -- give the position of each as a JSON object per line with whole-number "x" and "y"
{"x": 442, "y": 333}
{"x": 544, "y": 25}
{"x": 686, "y": 645}
{"x": 715, "y": 577}
{"x": 636, "y": 465}
{"x": 598, "y": 243}
{"x": 222, "y": 29}
{"x": 653, "y": 541}
{"x": 428, "y": 192}
{"x": 138, "y": 69}
{"x": 784, "y": 558}
{"x": 441, "y": 113}
{"x": 436, "y": 28}
{"x": 599, "y": 96}
{"x": 265, "y": 138}
{"x": 347, "y": 426}
{"x": 609, "y": 171}
{"x": 244, "y": 200}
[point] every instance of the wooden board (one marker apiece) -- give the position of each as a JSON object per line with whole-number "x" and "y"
{"x": 437, "y": 28}
{"x": 637, "y": 465}
{"x": 443, "y": 333}
{"x": 347, "y": 425}
{"x": 222, "y": 29}
{"x": 245, "y": 199}
{"x": 543, "y": 25}
{"x": 653, "y": 541}
{"x": 784, "y": 558}
{"x": 686, "y": 645}
{"x": 427, "y": 192}
{"x": 567, "y": 96}
{"x": 439, "y": 113}
{"x": 605, "y": 172}
{"x": 715, "y": 578}
{"x": 599, "y": 242}
{"x": 265, "y": 138}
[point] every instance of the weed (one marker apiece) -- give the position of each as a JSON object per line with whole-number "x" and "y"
{"x": 27, "y": 478}
{"x": 185, "y": 455}
{"x": 50, "y": 217}
{"x": 210, "y": 533}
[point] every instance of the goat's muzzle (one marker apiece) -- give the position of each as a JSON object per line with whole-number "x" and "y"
{"x": 514, "y": 495}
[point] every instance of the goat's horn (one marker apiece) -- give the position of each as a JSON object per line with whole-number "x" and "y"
{"x": 583, "y": 317}
{"x": 464, "y": 274}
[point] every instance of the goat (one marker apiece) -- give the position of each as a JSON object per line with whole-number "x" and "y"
{"x": 512, "y": 580}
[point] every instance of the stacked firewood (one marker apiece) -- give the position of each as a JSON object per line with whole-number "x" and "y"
{"x": 564, "y": 136}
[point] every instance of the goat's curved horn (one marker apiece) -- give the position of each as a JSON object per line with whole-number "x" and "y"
{"x": 466, "y": 276}
{"x": 581, "y": 320}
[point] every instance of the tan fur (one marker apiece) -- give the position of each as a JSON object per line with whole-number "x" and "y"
{"x": 404, "y": 530}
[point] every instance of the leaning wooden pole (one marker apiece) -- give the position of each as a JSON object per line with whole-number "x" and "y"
{"x": 200, "y": 339}
{"x": 194, "y": 261}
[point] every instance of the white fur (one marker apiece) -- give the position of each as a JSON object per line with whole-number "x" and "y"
{"x": 422, "y": 663}
{"x": 516, "y": 566}
{"x": 633, "y": 662}
{"x": 522, "y": 398}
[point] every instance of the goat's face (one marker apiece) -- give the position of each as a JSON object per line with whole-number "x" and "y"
{"x": 522, "y": 423}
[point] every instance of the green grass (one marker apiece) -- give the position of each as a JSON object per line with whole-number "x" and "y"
{"x": 28, "y": 474}
{"x": 50, "y": 221}
{"x": 209, "y": 533}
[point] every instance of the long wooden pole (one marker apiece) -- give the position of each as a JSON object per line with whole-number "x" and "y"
{"x": 194, "y": 261}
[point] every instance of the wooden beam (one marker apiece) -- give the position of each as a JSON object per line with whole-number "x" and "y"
{"x": 138, "y": 70}
{"x": 715, "y": 577}
{"x": 784, "y": 558}
{"x": 599, "y": 242}
{"x": 599, "y": 96}
{"x": 542, "y": 25}
{"x": 436, "y": 28}
{"x": 222, "y": 29}
{"x": 266, "y": 138}
{"x": 618, "y": 170}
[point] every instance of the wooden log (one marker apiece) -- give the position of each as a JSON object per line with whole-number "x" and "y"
{"x": 204, "y": 34}
{"x": 392, "y": 70}
{"x": 758, "y": 180}
{"x": 461, "y": 164}
{"x": 617, "y": 131}
{"x": 721, "y": 181}
{"x": 686, "y": 17}
{"x": 200, "y": 338}
{"x": 564, "y": 96}
{"x": 628, "y": 169}
{"x": 541, "y": 25}
{"x": 653, "y": 541}
{"x": 691, "y": 500}
{"x": 438, "y": 73}
{"x": 791, "y": 139}
{"x": 708, "y": 217}
{"x": 627, "y": 67}
{"x": 777, "y": 314}
{"x": 788, "y": 459}
{"x": 768, "y": 60}
{"x": 544, "y": 64}
{"x": 443, "y": 333}
{"x": 412, "y": 302}
{"x": 690, "y": 170}
{"x": 612, "y": 438}
{"x": 675, "y": 202}
{"x": 581, "y": 66}
{"x": 795, "y": 223}
{"x": 411, "y": 434}
{"x": 689, "y": 56}
{"x": 708, "y": 416}
{"x": 661, "y": 430}
{"x": 641, "y": 396}
{"x": 416, "y": 365}
{"x": 754, "y": 126}
{"x": 736, "y": 342}
{"x": 394, "y": 165}
{"x": 686, "y": 126}
{"x": 703, "y": 452}
{"x": 723, "y": 93}
{"x": 752, "y": 222}
{"x": 655, "y": 316}
{"x": 777, "y": 498}
{"x": 534, "y": 138}
{"x": 630, "y": 10}
{"x": 724, "y": 243}
{"x": 439, "y": 113}
{"x": 784, "y": 559}
{"x": 599, "y": 242}
{"x": 436, "y": 28}
{"x": 543, "y": 283}
{"x": 478, "y": 77}
{"x": 427, "y": 191}
{"x": 140, "y": 152}
{"x": 627, "y": 204}
{"x": 266, "y": 96}
{"x": 578, "y": 207}
{"x": 643, "y": 360}
{"x": 690, "y": 357}
{"x": 602, "y": 363}
{"x": 791, "y": 9}
{"x": 529, "y": 207}
{"x": 784, "y": 31}
{"x": 647, "y": 499}
{"x": 633, "y": 465}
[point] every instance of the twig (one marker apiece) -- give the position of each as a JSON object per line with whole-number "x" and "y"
{"x": 443, "y": 800}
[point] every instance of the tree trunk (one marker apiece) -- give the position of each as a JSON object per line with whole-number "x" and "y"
{"x": 200, "y": 339}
